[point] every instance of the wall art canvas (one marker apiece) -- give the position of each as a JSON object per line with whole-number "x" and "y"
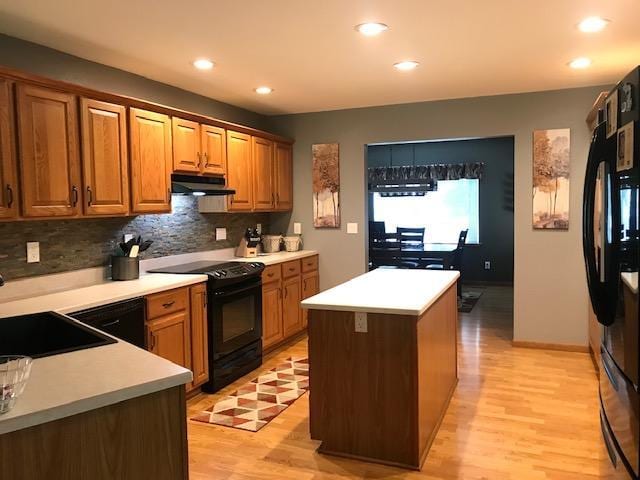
{"x": 326, "y": 185}
{"x": 551, "y": 161}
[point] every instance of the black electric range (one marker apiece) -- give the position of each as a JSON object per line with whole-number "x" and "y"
{"x": 234, "y": 317}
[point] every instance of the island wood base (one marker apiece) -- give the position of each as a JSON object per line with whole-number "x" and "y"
{"x": 144, "y": 437}
{"x": 380, "y": 396}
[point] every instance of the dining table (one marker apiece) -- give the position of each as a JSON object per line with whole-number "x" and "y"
{"x": 440, "y": 251}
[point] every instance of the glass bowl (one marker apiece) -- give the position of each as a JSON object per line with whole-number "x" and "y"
{"x": 14, "y": 373}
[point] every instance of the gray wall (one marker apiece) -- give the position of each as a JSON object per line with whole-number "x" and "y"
{"x": 75, "y": 244}
{"x": 40, "y": 60}
{"x": 496, "y": 195}
{"x": 550, "y": 297}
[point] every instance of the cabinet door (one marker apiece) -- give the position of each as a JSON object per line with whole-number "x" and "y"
{"x": 310, "y": 286}
{"x": 168, "y": 337}
{"x": 272, "y": 327}
{"x": 239, "y": 171}
{"x": 8, "y": 176}
{"x": 283, "y": 180}
{"x": 199, "y": 337}
{"x": 263, "y": 172}
{"x": 104, "y": 158}
{"x": 49, "y": 159}
{"x": 291, "y": 311}
{"x": 214, "y": 150}
{"x": 151, "y": 162}
{"x": 186, "y": 145}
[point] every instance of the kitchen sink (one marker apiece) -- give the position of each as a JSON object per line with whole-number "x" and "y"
{"x": 47, "y": 333}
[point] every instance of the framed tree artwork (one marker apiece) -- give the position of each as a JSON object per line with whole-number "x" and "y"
{"x": 551, "y": 162}
{"x": 326, "y": 185}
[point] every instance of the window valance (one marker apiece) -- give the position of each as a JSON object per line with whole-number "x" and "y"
{"x": 421, "y": 173}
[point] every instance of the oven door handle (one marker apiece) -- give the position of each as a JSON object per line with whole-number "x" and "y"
{"x": 228, "y": 292}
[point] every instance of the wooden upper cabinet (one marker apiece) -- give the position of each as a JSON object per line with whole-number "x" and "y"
{"x": 239, "y": 171}
{"x": 186, "y": 146}
{"x": 151, "y": 161}
{"x": 105, "y": 164}
{"x": 8, "y": 174}
{"x": 49, "y": 154}
{"x": 283, "y": 179}
{"x": 214, "y": 150}
{"x": 263, "y": 172}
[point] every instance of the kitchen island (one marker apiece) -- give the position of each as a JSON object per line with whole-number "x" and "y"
{"x": 383, "y": 364}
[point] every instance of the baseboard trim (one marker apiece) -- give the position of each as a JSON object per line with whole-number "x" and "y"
{"x": 562, "y": 347}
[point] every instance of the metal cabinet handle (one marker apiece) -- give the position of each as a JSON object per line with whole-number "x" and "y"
{"x": 152, "y": 341}
{"x": 168, "y": 304}
{"x": 199, "y": 155}
{"x": 206, "y": 160}
{"x": 110, "y": 324}
{"x": 9, "y": 196}
{"x": 273, "y": 198}
{"x": 89, "y": 196}
{"x": 286, "y": 292}
{"x": 169, "y": 195}
{"x": 304, "y": 284}
{"x": 74, "y": 196}
{"x": 277, "y": 198}
{"x": 206, "y": 299}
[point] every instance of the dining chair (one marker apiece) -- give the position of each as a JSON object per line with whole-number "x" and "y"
{"x": 456, "y": 260}
{"x": 385, "y": 251}
{"x": 412, "y": 237}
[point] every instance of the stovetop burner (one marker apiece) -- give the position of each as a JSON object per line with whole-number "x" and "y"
{"x": 218, "y": 271}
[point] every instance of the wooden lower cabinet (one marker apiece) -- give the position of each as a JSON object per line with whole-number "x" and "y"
{"x": 199, "y": 335}
{"x": 284, "y": 286}
{"x": 272, "y": 330}
{"x": 177, "y": 329}
{"x": 168, "y": 337}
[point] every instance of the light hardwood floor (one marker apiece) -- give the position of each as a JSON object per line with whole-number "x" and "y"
{"x": 517, "y": 413}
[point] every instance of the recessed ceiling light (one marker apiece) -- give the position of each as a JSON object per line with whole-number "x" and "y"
{"x": 264, "y": 90}
{"x": 371, "y": 29}
{"x": 406, "y": 65}
{"x": 592, "y": 24}
{"x": 580, "y": 63}
{"x": 203, "y": 64}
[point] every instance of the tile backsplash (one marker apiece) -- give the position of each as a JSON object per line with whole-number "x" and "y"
{"x": 76, "y": 244}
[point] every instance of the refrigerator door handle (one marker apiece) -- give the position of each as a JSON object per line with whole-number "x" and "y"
{"x": 596, "y": 289}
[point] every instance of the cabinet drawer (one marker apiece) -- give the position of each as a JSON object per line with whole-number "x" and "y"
{"x": 290, "y": 269}
{"x": 310, "y": 263}
{"x": 271, "y": 273}
{"x": 167, "y": 302}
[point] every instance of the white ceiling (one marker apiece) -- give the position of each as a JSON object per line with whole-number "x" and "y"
{"x": 309, "y": 52}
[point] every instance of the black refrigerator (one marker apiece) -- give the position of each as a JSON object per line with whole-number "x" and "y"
{"x": 611, "y": 249}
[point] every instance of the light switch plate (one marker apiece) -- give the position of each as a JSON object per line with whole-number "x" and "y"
{"x": 33, "y": 252}
{"x": 352, "y": 228}
{"x": 297, "y": 228}
{"x": 361, "y": 322}
{"x": 221, "y": 233}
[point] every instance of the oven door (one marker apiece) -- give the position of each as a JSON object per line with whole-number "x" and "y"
{"x": 235, "y": 317}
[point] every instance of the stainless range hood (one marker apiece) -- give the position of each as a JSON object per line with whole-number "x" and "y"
{"x": 199, "y": 186}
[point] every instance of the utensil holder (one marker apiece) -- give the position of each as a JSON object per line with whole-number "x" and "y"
{"x": 125, "y": 268}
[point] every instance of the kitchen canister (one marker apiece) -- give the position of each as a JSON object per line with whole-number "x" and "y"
{"x": 125, "y": 268}
{"x": 292, "y": 243}
{"x": 271, "y": 243}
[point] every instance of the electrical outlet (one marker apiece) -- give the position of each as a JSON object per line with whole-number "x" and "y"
{"x": 221, "y": 233}
{"x": 259, "y": 228}
{"x": 33, "y": 252}
{"x": 487, "y": 265}
{"x": 361, "y": 322}
{"x": 297, "y": 228}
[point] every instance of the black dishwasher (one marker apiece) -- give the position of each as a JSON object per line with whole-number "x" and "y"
{"x": 124, "y": 320}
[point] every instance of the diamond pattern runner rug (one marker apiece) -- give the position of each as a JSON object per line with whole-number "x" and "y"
{"x": 261, "y": 400}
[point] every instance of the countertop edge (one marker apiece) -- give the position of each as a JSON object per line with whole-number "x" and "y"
{"x": 93, "y": 403}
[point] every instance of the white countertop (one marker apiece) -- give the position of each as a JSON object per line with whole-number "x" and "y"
{"x": 393, "y": 291}
{"x": 279, "y": 257}
{"x": 76, "y": 382}
{"x": 69, "y": 301}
